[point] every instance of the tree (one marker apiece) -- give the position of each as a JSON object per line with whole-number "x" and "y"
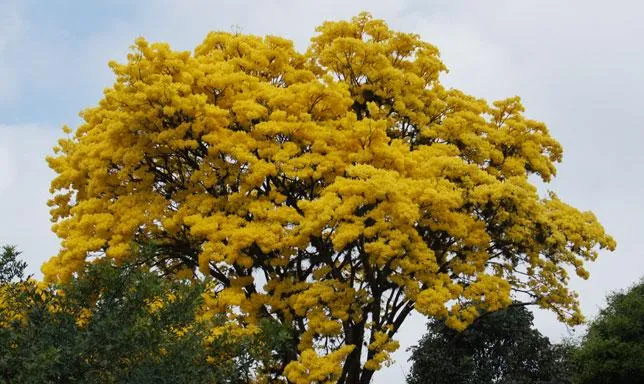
{"x": 613, "y": 347}
{"x": 11, "y": 268}
{"x": 334, "y": 191}
{"x": 118, "y": 325}
{"x": 502, "y": 347}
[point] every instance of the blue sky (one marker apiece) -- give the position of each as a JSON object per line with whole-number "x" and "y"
{"x": 578, "y": 66}
{"x": 47, "y": 46}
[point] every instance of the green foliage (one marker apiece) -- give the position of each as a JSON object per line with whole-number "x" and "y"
{"x": 500, "y": 347}
{"x": 119, "y": 325}
{"x": 10, "y": 267}
{"x": 613, "y": 349}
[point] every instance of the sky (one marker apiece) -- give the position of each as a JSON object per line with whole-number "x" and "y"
{"x": 578, "y": 66}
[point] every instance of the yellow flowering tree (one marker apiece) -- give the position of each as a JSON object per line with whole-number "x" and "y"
{"x": 334, "y": 191}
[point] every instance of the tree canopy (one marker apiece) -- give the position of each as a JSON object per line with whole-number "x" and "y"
{"x": 502, "y": 347}
{"x": 11, "y": 267}
{"x": 123, "y": 325}
{"x": 612, "y": 351}
{"x": 333, "y": 191}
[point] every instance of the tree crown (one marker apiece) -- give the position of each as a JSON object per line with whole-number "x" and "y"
{"x": 335, "y": 190}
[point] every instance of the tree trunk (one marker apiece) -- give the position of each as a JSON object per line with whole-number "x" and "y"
{"x": 354, "y": 335}
{"x": 366, "y": 376}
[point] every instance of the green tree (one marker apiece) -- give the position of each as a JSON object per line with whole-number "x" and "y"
{"x": 501, "y": 347}
{"x": 118, "y": 325}
{"x": 612, "y": 350}
{"x": 11, "y": 268}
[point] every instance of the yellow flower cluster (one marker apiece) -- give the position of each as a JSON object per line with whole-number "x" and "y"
{"x": 84, "y": 317}
{"x": 12, "y": 307}
{"x": 312, "y": 368}
{"x": 382, "y": 345}
{"x": 10, "y": 311}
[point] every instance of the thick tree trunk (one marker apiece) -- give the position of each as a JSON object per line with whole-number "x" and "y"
{"x": 366, "y": 376}
{"x": 354, "y": 335}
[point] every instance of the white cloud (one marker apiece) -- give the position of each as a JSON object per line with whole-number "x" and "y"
{"x": 23, "y": 196}
{"x": 186, "y": 23}
{"x": 7, "y": 168}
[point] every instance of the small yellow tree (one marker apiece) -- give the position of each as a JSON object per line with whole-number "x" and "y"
{"x": 334, "y": 191}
